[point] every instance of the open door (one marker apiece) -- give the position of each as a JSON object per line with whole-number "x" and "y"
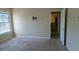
{"x": 63, "y": 26}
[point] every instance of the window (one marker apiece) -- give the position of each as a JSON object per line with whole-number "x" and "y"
{"x": 4, "y": 23}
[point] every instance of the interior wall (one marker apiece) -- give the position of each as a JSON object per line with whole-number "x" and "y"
{"x": 25, "y": 26}
{"x": 7, "y": 35}
{"x": 73, "y": 29}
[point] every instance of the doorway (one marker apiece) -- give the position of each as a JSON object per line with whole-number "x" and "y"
{"x": 55, "y": 24}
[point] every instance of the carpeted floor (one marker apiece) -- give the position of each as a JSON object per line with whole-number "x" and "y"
{"x": 26, "y": 44}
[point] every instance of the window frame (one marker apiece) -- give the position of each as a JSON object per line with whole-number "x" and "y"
{"x": 2, "y": 12}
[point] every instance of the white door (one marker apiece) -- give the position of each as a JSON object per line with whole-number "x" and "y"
{"x": 62, "y": 26}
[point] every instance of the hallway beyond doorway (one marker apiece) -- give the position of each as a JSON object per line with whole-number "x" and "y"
{"x": 55, "y": 24}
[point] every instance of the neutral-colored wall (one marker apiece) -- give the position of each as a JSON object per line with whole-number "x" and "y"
{"x": 25, "y": 26}
{"x": 7, "y": 35}
{"x": 73, "y": 29}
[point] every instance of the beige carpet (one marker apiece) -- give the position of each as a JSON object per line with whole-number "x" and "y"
{"x": 26, "y": 44}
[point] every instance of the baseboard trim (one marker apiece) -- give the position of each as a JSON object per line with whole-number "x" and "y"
{"x": 5, "y": 39}
{"x": 33, "y": 37}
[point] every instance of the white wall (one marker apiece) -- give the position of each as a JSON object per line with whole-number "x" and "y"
{"x": 7, "y": 35}
{"x": 73, "y": 29}
{"x": 25, "y": 26}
